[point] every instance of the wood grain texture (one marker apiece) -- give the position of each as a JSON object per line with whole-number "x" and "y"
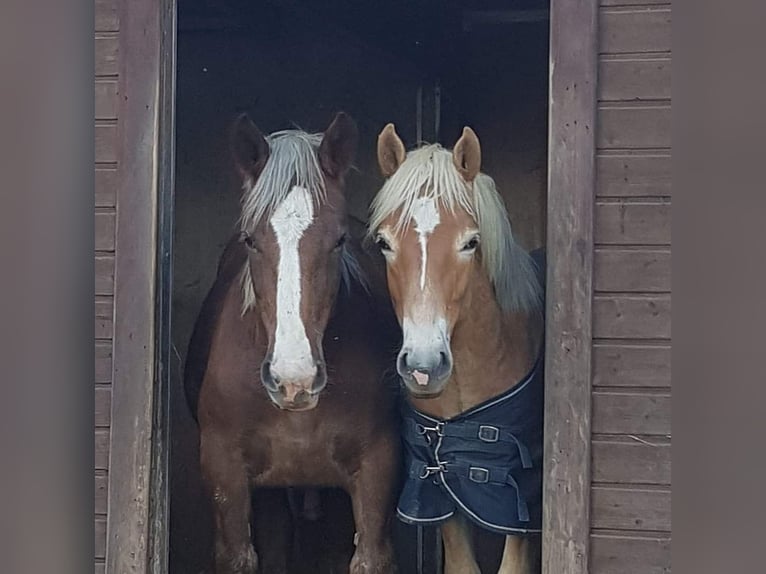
{"x": 644, "y": 270}
{"x": 105, "y": 223}
{"x": 106, "y": 186}
{"x": 106, "y": 99}
{"x": 100, "y": 537}
{"x": 104, "y": 317}
{"x": 634, "y": 30}
{"x": 646, "y": 223}
{"x": 106, "y": 16}
{"x": 104, "y": 266}
{"x": 627, "y": 175}
{"x": 631, "y": 462}
{"x": 625, "y": 126}
{"x": 103, "y": 405}
{"x": 631, "y": 413}
{"x": 105, "y": 133}
{"x": 102, "y": 449}
{"x": 106, "y": 142}
{"x": 107, "y": 47}
{"x": 625, "y": 554}
{"x": 133, "y": 352}
{"x": 101, "y": 484}
{"x": 624, "y": 508}
{"x": 631, "y": 317}
{"x": 103, "y": 365}
{"x": 626, "y": 460}
{"x": 631, "y": 365}
{"x": 633, "y": 3}
{"x": 571, "y": 184}
{"x": 634, "y": 78}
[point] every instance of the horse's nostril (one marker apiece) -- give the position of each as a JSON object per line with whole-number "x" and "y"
{"x": 269, "y": 380}
{"x": 443, "y": 358}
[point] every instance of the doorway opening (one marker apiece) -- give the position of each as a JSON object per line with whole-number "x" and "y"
{"x": 430, "y": 68}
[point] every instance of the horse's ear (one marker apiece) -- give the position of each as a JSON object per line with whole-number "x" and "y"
{"x": 391, "y": 152}
{"x": 249, "y": 148}
{"x": 466, "y": 155}
{"x": 338, "y": 147}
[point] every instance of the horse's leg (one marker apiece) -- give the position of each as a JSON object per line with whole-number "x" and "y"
{"x": 516, "y": 558}
{"x": 372, "y": 498}
{"x": 226, "y": 479}
{"x": 458, "y": 549}
{"x": 272, "y": 525}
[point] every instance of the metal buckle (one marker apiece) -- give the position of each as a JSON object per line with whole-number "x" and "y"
{"x": 478, "y": 474}
{"x": 438, "y": 429}
{"x": 429, "y": 470}
{"x": 489, "y": 433}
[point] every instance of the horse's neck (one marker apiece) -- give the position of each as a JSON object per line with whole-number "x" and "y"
{"x": 491, "y": 352}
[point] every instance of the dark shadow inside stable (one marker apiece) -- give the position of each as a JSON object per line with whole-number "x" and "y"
{"x": 430, "y": 68}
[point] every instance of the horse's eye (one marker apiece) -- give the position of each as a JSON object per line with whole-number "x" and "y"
{"x": 471, "y": 245}
{"x": 250, "y": 242}
{"x": 341, "y": 242}
{"x": 382, "y": 243}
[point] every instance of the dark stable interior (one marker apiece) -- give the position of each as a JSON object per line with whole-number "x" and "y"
{"x": 430, "y": 67}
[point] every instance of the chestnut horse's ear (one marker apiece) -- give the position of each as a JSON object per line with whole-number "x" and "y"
{"x": 466, "y": 155}
{"x": 391, "y": 152}
{"x": 249, "y": 147}
{"x": 338, "y": 147}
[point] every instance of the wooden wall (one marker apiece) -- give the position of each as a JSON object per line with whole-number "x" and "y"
{"x": 106, "y": 35}
{"x": 630, "y": 496}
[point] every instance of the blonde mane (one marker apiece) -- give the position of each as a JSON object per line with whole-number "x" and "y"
{"x": 292, "y": 161}
{"x": 430, "y": 172}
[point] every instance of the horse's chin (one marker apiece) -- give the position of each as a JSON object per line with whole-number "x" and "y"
{"x": 431, "y": 391}
{"x": 303, "y": 406}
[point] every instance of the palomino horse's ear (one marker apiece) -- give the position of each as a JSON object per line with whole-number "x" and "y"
{"x": 249, "y": 148}
{"x": 467, "y": 155}
{"x": 338, "y": 147}
{"x": 391, "y": 152}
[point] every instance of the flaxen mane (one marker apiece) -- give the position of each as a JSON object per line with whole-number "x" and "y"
{"x": 430, "y": 172}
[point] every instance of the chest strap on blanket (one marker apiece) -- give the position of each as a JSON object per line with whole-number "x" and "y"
{"x": 467, "y": 430}
{"x": 477, "y": 474}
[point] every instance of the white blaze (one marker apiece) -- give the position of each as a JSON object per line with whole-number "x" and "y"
{"x": 426, "y": 217}
{"x": 292, "y": 353}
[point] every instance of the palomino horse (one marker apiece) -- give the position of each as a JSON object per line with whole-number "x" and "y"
{"x": 469, "y": 301}
{"x": 287, "y": 363}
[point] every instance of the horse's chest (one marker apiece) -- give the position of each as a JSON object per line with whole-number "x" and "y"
{"x": 284, "y": 454}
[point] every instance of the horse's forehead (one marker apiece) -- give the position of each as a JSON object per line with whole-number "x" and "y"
{"x": 433, "y": 221}
{"x": 295, "y": 212}
{"x": 425, "y": 215}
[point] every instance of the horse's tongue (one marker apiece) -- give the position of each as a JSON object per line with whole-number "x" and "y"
{"x": 421, "y": 378}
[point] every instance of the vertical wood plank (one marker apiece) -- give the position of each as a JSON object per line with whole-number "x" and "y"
{"x": 134, "y": 276}
{"x": 571, "y": 191}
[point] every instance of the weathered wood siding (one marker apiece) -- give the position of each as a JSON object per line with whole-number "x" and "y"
{"x": 630, "y": 490}
{"x": 106, "y": 54}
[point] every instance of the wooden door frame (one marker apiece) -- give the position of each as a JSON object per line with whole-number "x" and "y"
{"x": 137, "y": 526}
{"x": 571, "y": 194}
{"x": 138, "y": 455}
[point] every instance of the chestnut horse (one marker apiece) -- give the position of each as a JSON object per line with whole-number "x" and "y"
{"x": 469, "y": 300}
{"x": 287, "y": 364}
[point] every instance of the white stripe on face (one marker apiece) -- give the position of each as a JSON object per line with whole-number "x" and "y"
{"x": 426, "y": 217}
{"x": 292, "y": 359}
